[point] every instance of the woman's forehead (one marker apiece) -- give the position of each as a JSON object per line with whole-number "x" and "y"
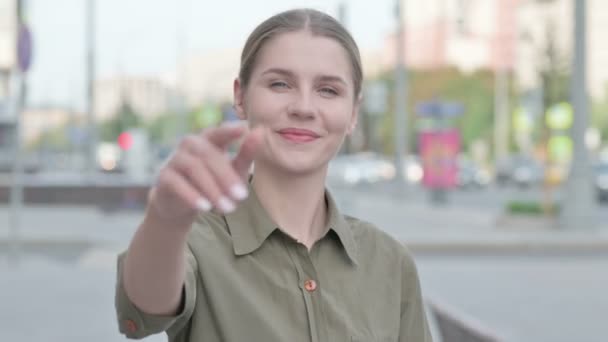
{"x": 302, "y": 53}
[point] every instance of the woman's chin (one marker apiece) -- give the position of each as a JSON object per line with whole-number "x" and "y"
{"x": 296, "y": 167}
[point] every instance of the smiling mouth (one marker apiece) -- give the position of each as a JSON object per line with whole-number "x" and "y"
{"x": 298, "y": 135}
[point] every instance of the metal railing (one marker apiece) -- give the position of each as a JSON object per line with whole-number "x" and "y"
{"x": 454, "y": 326}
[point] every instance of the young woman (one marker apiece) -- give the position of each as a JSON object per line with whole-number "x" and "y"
{"x": 222, "y": 255}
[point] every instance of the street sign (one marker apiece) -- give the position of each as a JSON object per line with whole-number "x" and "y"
{"x": 24, "y": 48}
{"x": 439, "y": 151}
{"x": 439, "y": 108}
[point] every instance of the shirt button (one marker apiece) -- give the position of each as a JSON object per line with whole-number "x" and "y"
{"x": 130, "y": 325}
{"x": 310, "y": 285}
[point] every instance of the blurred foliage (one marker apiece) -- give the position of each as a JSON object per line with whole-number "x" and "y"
{"x": 474, "y": 91}
{"x": 531, "y": 208}
{"x": 599, "y": 116}
{"x": 554, "y": 69}
{"x": 53, "y": 139}
{"x": 164, "y": 129}
{"x": 207, "y": 115}
{"x": 554, "y": 74}
{"x": 167, "y": 128}
{"x": 125, "y": 119}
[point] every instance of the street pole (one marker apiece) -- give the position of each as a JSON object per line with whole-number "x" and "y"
{"x": 90, "y": 101}
{"x": 501, "y": 113}
{"x": 400, "y": 101}
{"x": 16, "y": 192}
{"x": 578, "y": 204}
{"x": 342, "y": 19}
{"x": 180, "y": 74}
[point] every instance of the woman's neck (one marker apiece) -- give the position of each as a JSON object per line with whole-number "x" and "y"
{"x": 295, "y": 203}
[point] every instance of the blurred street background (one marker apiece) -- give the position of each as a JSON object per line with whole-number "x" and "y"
{"x": 482, "y": 145}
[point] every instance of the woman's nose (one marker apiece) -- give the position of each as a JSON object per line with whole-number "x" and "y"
{"x": 302, "y": 106}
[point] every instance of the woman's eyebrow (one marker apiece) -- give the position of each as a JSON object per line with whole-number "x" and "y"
{"x": 332, "y": 78}
{"x": 283, "y": 72}
{"x": 291, "y": 74}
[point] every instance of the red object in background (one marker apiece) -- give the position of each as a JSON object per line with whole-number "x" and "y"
{"x": 439, "y": 152}
{"x": 125, "y": 141}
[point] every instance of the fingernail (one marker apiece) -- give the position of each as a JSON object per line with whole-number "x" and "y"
{"x": 203, "y": 204}
{"x": 226, "y": 205}
{"x": 239, "y": 191}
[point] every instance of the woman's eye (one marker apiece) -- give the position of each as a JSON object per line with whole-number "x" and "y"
{"x": 329, "y": 91}
{"x": 278, "y": 84}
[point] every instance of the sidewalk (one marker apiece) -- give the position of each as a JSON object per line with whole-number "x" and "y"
{"x": 459, "y": 229}
{"x": 421, "y": 226}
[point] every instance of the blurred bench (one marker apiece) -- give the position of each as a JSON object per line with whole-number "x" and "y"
{"x": 108, "y": 193}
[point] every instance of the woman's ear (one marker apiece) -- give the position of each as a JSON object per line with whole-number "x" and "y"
{"x": 239, "y": 94}
{"x": 354, "y": 119}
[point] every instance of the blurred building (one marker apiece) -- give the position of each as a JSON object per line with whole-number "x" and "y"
{"x": 209, "y": 76}
{"x": 8, "y": 62}
{"x": 37, "y": 121}
{"x": 149, "y": 97}
{"x": 491, "y": 34}
{"x": 467, "y": 34}
{"x": 539, "y": 21}
{"x": 8, "y": 34}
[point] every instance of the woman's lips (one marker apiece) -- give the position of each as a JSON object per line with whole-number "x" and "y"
{"x": 298, "y": 135}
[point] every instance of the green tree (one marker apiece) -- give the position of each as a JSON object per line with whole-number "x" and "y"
{"x": 164, "y": 129}
{"x": 599, "y": 116}
{"x": 125, "y": 119}
{"x": 474, "y": 91}
{"x": 554, "y": 75}
{"x": 53, "y": 139}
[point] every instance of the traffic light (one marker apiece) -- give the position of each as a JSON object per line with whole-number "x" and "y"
{"x": 125, "y": 141}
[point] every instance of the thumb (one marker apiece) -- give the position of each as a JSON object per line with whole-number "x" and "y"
{"x": 244, "y": 158}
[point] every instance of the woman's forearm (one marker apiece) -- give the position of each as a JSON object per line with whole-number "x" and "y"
{"x": 155, "y": 264}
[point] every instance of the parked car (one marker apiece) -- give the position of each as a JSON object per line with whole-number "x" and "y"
{"x": 519, "y": 170}
{"x": 360, "y": 168}
{"x": 471, "y": 175}
{"x": 29, "y": 163}
{"x": 601, "y": 181}
{"x": 412, "y": 169}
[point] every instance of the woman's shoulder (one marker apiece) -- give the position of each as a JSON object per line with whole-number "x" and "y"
{"x": 209, "y": 232}
{"x": 375, "y": 242}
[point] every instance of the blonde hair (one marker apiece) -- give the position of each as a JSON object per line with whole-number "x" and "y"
{"x": 318, "y": 23}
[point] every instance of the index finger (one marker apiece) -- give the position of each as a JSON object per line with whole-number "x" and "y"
{"x": 223, "y": 135}
{"x": 244, "y": 158}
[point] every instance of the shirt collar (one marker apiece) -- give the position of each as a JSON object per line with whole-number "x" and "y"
{"x": 250, "y": 225}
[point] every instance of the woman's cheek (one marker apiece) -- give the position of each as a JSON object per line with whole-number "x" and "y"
{"x": 339, "y": 121}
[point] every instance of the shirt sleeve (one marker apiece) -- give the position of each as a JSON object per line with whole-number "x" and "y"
{"x": 136, "y": 324}
{"x": 413, "y": 325}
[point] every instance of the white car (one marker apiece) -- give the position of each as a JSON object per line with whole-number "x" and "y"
{"x": 360, "y": 168}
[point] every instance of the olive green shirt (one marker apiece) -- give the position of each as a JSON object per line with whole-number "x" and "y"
{"x": 246, "y": 280}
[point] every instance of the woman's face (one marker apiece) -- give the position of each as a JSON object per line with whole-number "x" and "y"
{"x": 301, "y": 91}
